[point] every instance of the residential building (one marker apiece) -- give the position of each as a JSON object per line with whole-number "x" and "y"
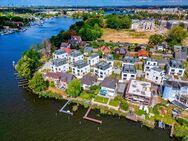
{"x": 128, "y": 72}
{"x": 87, "y": 50}
{"x": 93, "y": 59}
{"x": 87, "y": 81}
{"x": 64, "y": 45}
{"x": 175, "y": 67}
{"x": 120, "y": 51}
{"x": 110, "y": 59}
{"x": 104, "y": 50}
{"x": 80, "y": 68}
{"x": 143, "y": 25}
{"x": 143, "y": 54}
{"x": 128, "y": 60}
{"x": 59, "y": 65}
{"x": 121, "y": 88}
{"x": 108, "y": 87}
{"x": 161, "y": 47}
{"x": 177, "y": 48}
{"x": 150, "y": 63}
{"x": 102, "y": 70}
{"x": 139, "y": 92}
{"x": 155, "y": 75}
{"x": 60, "y": 54}
{"x": 180, "y": 56}
{"x": 75, "y": 40}
{"x": 176, "y": 92}
{"x": 75, "y": 55}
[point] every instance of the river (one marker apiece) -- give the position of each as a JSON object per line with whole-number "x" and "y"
{"x": 25, "y": 117}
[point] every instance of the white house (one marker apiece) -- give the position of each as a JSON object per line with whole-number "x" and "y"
{"x": 102, "y": 70}
{"x": 93, "y": 59}
{"x": 60, "y": 54}
{"x": 175, "y": 68}
{"x": 75, "y": 55}
{"x": 150, "y": 63}
{"x": 161, "y": 47}
{"x": 59, "y": 65}
{"x": 155, "y": 75}
{"x": 80, "y": 68}
{"x": 110, "y": 59}
{"x": 128, "y": 60}
{"x": 108, "y": 87}
{"x": 128, "y": 72}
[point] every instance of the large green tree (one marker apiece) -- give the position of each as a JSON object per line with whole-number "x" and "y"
{"x": 176, "y": 35}
{"x": 156, "y": 39}
{"x": 74, "y": 88}
{"x": 37, "y": 83}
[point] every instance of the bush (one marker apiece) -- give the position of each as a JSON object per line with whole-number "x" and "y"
{"x": 124, "y": 105}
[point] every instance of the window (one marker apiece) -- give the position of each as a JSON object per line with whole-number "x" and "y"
{"x": 156, "y": 78}
{"x": 125, "y": 75}
{"x": 132, "y": 76}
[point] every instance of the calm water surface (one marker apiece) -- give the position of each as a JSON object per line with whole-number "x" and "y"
{"x": 25, "y": 117}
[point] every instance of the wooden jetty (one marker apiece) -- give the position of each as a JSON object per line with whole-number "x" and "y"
{"x": 91, "y": 119}
{"x": 172, "y": 131}
{"x": 132, "y": 117}
{"x": 64, "y": 111}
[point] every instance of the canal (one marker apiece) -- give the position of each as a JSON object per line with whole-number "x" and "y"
{"x": 25, "y": 117}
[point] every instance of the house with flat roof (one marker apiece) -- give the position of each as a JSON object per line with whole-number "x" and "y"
{"x": 108, "y": 87}
{"x": 93, "y": 59}
{"x": 129, "y": 60}
{"x": 128, "y": 72}
{"x": 60, "y": 54}
{"x": 110, "y": 59}
{"x": 87, "y": 50}
{"x": 150, "y": 63}
{"x": 180, "y": 56}
{"x": 139, "y": 92}
{"x": 59, "y": 65}
{"x": 102, "y": 70}
{"x": 175, "y": 67}
{"x": 75, "y": 55}
{"x": 80, "y": 68}
{"x": 87, "y": 81}
{"x": 176, "y": 92}
{"x": 155, "y": 75}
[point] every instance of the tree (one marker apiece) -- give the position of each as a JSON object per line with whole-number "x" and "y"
{"x": 176, "y": 35}
{"x": 37, "y": 83}
{"x": 156, "y": 39}
{"x": 124, "y": 105}
{"x": 74, "y": 88}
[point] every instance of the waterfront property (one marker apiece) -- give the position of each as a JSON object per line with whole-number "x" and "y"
{"x": 102, "y": 70}
{"x": 175, "y": 67}
{"x": 93, "y": 59}
{"x": 139, "y": 92}
{"x": 150, "y": 63}
{"x": 80, "y": 68}
{"x": 75, "y": 55}
{"x": 60, "y": 54}
{"x": 87, "y": 81}
{"x": 176, "y": 93}
{"x": 128, "y": 72}
{"x": 108, "y": 87}
{"x": 59, "y": 65}
{"x": 155, "y": 75}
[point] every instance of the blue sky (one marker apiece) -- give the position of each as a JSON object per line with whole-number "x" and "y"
{"x": 92, "y": 2}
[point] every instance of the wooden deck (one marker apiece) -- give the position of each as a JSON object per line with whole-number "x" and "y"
{"x": 91, "y": 119}
{"x": 64, "y": 111}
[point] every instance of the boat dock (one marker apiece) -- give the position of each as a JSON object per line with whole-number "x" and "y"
{"x": 91, "y": 119}
{"x": 64, "y": 111}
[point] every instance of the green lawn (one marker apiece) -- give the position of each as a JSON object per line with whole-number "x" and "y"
{"x": 114, "y": 103}
{"x": 101, "y": 99}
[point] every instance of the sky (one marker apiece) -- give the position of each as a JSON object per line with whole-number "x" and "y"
{"x": 91, "y": 2}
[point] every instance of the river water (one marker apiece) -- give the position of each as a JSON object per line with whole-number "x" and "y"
{"x": 25, "y": 117}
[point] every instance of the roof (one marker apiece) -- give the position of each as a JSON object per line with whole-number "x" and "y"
{"x": 140, "y": 88}
{"x": 88, "y": 79}
{"x": 120, "y": 51}
{"x": 109, "y": 82}
{"x": 104, "y": 49}
{"x": 59, "y": 52}
{"x": 143, "y": 53}
{"x": 179, "y": 104}
{"x": 180, "y": 55}
{"x": 151, "y": 60}
{"x": 175, "y": 64}
{"x": 68, "y": 50}
{"x": 175, "y": 84}
{"x": 93, "y": 55}
{"x": 129, "y": 69}
{"x": 64, "y": 45}
{"x": 88, "y": 49}
{"x": 80, "y": 64}
{"x": 110, "y": 57}
{"x": 129, "y": 59}
{"x": 157, "y": 69}
{"x": 103, "y": 65}
{"x": 75, "y": 53}
{"x": 58, "y": 62}
{"x": 121, "y": 88}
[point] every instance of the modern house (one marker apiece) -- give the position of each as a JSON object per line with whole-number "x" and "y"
{"x": 80, "y": 68}
{"x": 150, "y": 63}
{"x": 155, "y": 75}
{"x": 60, "y": 79}
{"x": 128, "y": 72}
{"x": 176, "y": 93}
{"x": 75, "y": 56}
{"x": 108, "y": 87}
{"x": 60, "y": 54}
{"x": 87, "y": 81}
{"x": 59, "y": 65}
{"x": 110, "y": 59}
{"x": 180, "y": 56}
{"x": 93, "y": 59}
{"x": 128, "y": 60}
{"x": 139, "y": 92}
{"x": 161, "y": 47}
{"x": 102, "y": 70}
{"x": 175, "y": 67}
